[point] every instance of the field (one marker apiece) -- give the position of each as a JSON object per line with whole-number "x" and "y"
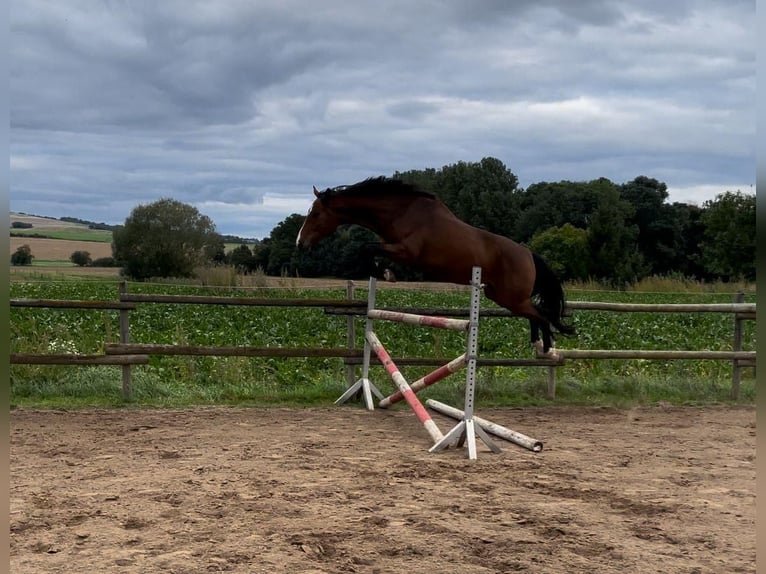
{"x": 339, "y": 490}
{"x": 59, "y": 250}
{"x": 59, "y": 240}
{"x": 179, "y": 380}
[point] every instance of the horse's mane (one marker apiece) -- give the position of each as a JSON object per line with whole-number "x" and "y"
{"x": 376, "y": 186}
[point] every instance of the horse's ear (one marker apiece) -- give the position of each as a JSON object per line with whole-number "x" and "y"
{"x": 316, "y": 191}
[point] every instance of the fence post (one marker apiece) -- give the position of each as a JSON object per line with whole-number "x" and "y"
{"x": 350, "y": 336}
{"x": 736, "y": 369}
{"x": 551, "y": 383}
{"x": 127, "y": 383}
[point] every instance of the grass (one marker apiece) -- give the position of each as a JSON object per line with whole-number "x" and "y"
{"x": 182, "y": 381}
{"x": 67, "y": 234}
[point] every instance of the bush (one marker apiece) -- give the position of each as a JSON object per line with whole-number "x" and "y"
{"x": 105, "y": 262}
{"x": 22, "y": 256}
{"x": 80, "y": 258}
{"x": 21, "y": 225}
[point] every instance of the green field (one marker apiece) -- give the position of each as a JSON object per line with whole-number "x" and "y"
{"x": 175, "y": 381}
{"x": 68, "y": 234}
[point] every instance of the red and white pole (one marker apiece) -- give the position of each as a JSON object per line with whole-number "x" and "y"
{"x": 433, "y": 377}
{"x": 404, "y": 388}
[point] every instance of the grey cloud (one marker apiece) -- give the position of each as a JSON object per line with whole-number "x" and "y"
{"x": 229, "y": 103}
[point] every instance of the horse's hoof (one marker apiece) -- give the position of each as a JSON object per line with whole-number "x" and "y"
{"x": 541, "y": 354}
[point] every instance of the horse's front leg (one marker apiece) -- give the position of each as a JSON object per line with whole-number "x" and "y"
{"x": 390, "y": 251}
{"x": 370, "y": 251}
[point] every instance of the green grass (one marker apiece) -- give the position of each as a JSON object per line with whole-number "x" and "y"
{"x": 180, "y": 381}
{"x": 73, "y": 234}
{"x": 52, "y": 263}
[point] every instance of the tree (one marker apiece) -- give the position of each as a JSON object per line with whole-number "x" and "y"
{"x": 554, "y": 204}
{"x": 728, "y": 245}
{"x": 565, "y": 249}
{"x": 612, "y": 241}
{"x": 482, "y": 193}
{"x": 105, "y": 262}
{"x": 281, "y": 246}
{"x": 660, "y": 232}
{"x": 166, "y": 238}
{"x": 22, "y": 256}
{"x": 241, "y": 258}
{"x": 80, "y": 258}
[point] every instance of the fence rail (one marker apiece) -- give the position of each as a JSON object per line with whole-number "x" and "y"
{"x": 127, "y": 354}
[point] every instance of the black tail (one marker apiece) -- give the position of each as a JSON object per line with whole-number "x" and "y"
{"x": 550, "y": 296}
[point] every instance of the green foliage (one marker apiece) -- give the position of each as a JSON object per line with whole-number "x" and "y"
{"x": 21, "y": 225}
{"x": 565, "y": 249}
{"x": 479, "y": 193}
{"x": 104, "y": 262}
{"x": 22, "y": 256}
{"x": 178, "y": 380}
{"x": 241, "y": 258}
{"x": 166, "y": 238}
{"x": 80, "y": 258}
{"x": 545, "y": 205}
{"x": 728, "y": 247}
{"x": 612, "y": 243}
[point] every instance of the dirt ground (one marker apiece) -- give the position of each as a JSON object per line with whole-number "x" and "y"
{"x": 314, "y": 491}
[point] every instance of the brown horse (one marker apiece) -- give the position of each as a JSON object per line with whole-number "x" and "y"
{"x": 418, "y": 229}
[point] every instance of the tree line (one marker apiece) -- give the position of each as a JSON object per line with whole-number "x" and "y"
{"x": 614, "y": 233}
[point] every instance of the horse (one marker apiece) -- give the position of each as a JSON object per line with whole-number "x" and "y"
{"x": 418, "y": 229}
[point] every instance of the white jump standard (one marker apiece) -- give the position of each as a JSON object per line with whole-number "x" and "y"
{"x": 466, "y": 431}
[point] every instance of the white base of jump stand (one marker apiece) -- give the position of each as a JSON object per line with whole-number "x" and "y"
{"x": 465, "y": 432}
{"x": 368, "y": 389}
{"x": 499, "y": 431}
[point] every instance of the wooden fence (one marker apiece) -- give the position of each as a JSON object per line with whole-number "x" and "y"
{"x": 127, "y": 354}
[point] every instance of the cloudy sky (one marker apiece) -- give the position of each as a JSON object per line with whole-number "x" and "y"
{"x": 238, "y": 107}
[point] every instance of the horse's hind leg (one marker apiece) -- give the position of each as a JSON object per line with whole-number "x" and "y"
{"x": 537, "y": 322}
{"x": 534, "y": 332}
{"x": 542, "y": 347}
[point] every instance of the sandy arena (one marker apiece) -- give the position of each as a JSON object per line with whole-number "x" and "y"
{"x": 336, "y": 490}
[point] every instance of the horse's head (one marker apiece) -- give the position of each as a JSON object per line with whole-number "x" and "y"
{"x": 320, "y": 222}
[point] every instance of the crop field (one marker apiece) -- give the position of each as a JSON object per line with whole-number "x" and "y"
{"x": 179, "y": 380}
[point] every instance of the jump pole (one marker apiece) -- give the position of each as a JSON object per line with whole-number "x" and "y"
{"x": 499, "y": 431}
{"x": 404, "y": 388}
{"x": 466, "y": 430}
{"x": 433, "y": 377}
{"x": 367, "y": 388}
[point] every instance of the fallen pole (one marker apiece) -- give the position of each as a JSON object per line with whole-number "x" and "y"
{"x": 500, "y": 431}
{"x": 423, "y": 382}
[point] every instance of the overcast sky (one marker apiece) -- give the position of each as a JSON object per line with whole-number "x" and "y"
{"x": 238, "y": 107}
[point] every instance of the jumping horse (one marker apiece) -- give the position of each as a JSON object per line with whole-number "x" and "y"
{"x": 418, "y": 229}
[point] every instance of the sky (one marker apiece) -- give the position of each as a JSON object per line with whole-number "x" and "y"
{"x": 239, "y": 107}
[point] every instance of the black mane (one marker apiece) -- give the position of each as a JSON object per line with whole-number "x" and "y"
{"x": 377, "y": 186}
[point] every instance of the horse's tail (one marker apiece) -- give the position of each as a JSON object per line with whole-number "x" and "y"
{"x": 550, "y": 296}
